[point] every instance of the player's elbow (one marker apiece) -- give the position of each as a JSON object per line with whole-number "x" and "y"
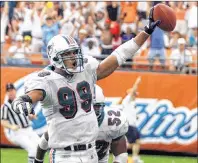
{"x": 107, "y": 67}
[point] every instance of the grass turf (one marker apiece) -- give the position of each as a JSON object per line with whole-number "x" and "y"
{"x": 20, "y": 156}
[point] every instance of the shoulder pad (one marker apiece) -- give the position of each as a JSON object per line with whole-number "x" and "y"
{"x": 91, "y": 62}
{"x": 43, "y": 73}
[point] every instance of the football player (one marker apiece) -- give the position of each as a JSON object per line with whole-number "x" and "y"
{"x": 66, "y": 94}
{"x": 113, "y": 125}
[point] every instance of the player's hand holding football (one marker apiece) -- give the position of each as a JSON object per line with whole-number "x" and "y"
{"x": 150, "y": 27}
{"x": 21, "y": 107}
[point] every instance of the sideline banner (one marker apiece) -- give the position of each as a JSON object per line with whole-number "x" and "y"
{"x": 166, "y": 106}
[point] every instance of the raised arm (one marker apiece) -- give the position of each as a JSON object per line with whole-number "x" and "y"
{"x": 126, "y": 50}
{"x": 132, "y": 92}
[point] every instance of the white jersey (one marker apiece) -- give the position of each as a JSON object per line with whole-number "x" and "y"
{"x": 129, "y": 110}
{"x": 67, "y": 105}
{"x": 112, "y": 125}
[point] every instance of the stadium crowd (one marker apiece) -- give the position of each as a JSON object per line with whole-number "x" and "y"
{"x": 99, "y": 28}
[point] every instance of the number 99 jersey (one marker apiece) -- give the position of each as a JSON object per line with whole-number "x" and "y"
{"x": 112, "y": 125}
{"x": 67, "y": 105}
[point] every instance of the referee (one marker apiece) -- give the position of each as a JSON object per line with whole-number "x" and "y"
{"x": 17, "y": 127}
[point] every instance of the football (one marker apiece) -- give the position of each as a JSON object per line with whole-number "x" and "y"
{"x": 167, "y": 16}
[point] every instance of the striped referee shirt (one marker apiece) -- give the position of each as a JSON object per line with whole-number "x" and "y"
{"x": 8, "y": 114}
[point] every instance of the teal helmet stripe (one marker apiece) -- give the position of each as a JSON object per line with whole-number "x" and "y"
{"x": 66, "y": 40}
{"x": 69, "y": 40}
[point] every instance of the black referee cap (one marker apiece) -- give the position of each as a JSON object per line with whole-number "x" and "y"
{"x": 9, "y": 86}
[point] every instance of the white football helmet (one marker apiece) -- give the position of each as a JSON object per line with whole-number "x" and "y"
{"x": 60, "y": 45}
{"x": 99, "y": 101}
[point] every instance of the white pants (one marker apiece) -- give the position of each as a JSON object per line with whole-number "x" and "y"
{"x": 25, "y": 138}
{"x": 62, "y": 156}
{"x": 181, "y": 27}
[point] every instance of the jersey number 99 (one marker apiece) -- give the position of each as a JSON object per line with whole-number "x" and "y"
{"x": 67, "y": 99}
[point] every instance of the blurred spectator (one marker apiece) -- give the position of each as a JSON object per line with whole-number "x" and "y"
{"x": 70, "y": 28}
{"x": 37, "y": 18}
{"x": 82, "y": 39}
{"x": 100, "y": 5}
{"x": 92, "y": 47}
{"x": 192, "y": 40}
{"x": 73, "y": 18}
{"x": 85, "y": 8}
{"x": 191, "y": 15}
{"x": 157, "y": 48}
{"x": 181, "y": 57}
{"x": 4, "y": 21}
{"x": 100, "y": 18}
{"x": 106, "y": 39}
{"x": 15, "y": 23}
{"x": 69, "y": 5}
{"x": 67, "y": 28}
{"x": 43, "y": 20}
{"x": 71, "y": 13}
{"x": 24, "y": 15}
{"x": 128, "y": 35}
{"x": 49, "y": 30}
{"x": 174, "y": 39}
{"x": 12, "y": 5}
{"x": 9, "y": 29}
{"x": 90, "y": 26}
{"x": 29, "y": 5}
{"x": 181, "y": 25}
{"x": 27, "y": 44}
{"x": 129, "y": 15}
{"x": 17, "y": 48}
{"x": 142, "y": 8}
{"x": 115, "y": 31}
{"x": 58, "y": 9}
{"x": 19, "y": 53}
{"x": 113, "y": 10}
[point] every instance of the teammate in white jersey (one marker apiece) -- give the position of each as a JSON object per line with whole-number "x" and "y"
{"x": 113, "y": 125}
{"x": 66, "y": 94}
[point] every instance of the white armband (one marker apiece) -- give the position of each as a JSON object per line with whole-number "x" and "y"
{"x": 121, "y": 158}
{"x": 125, "y": 51}
{"x": 43, "y": 144}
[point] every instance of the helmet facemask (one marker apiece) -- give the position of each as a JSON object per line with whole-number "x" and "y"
{"x": 99, "y": 101}
{"x": 98, "y": 108}
{"x": 76, "y": 57}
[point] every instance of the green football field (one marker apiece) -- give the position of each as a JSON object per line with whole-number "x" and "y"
{"x": 20, "y": 156}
